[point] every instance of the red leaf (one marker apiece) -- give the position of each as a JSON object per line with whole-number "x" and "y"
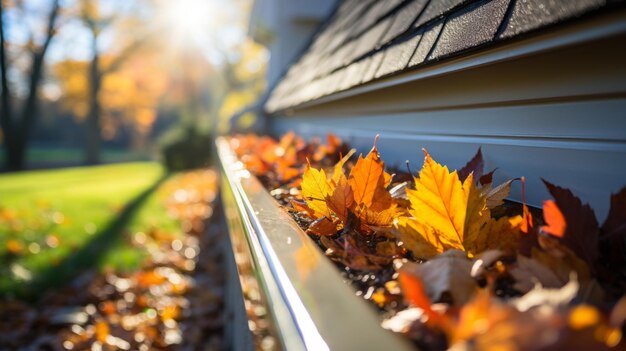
{"x": 554, "y": 218}
{"x": 475, "y": 165}
{"x": 528, "y": 239}
{"x": 487, "y": 178}
{"x": 414, "y": 292}
{"x": 612, "y": 241}
{"x": 581, "y": 232}
{"x": 615, "y": 223}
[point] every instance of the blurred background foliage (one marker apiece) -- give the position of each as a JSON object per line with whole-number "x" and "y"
{"x": 93, "y": 81}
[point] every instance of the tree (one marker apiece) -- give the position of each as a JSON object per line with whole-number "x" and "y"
{"x": 16, "y": 131}
{"x": 96, "y": 22}
{"x": 127, "y": 97}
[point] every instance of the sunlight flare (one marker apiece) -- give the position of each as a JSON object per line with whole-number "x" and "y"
{"x": 188, "y": 21}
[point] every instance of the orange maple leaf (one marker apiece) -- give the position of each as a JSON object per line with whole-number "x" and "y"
{"x": 341, "y": 198}
{"x": 554, "y": 218}
{"x": 369, "y": 180}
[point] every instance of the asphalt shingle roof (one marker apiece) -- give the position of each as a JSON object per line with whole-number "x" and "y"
{"x": 364, "y": 40}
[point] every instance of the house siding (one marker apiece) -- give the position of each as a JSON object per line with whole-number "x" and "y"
{"x": 557, "y": 111}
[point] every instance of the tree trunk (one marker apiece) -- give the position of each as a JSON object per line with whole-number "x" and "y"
{"x": 6, "y": 121}
{"x": 17, "y": 138}
{"x": 92, "y": 123}
{"x": 29, "y": 112}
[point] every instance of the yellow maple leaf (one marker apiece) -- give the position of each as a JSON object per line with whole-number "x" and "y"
{"x": 376, "y": 218}
{"x": 454, "y": 211}
{"x": 315, "y": 189}
{"x": 338, "y": 169}
{"x": 502, "y": 233}
{"x": 476, "y": 214}
{"x": 418, "y": 238}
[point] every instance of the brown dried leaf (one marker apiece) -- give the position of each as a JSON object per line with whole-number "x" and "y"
{"x": 529, "y": 272}
{"x": 495, "y": 197}
{"x": 447, "y": 277}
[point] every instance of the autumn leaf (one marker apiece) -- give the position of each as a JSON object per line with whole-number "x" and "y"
{"x": 355, "y": 254}
{"x": 563, "y": 266}
{"x": 502, "y": 233}
{"x": 455, "y": 211}
{"x": 483, "y": 313}
{"x": 476, "y": 216}
{"x": 528, "y": 237}
{"x": 300, "y": 206}
{"x": 286, "y": 173}
{"x": 581, "y": 227}
{"x": 338, "y": 169}
{"x": 333, "y": 145}
{"x": 486, "y": 323}
{"x": 447, "y": 277}
{"x": 495, "y": 197}
{"x": 376, "y": 218}
{"x": 369, "y": 180}
{"x": 323, "y": 227}
{"x": 556, "y": 224}
{"x": 440, "y": 201}
{"x": 487, "y": 178}
{"x": 475, "y": 166}
{"x": 315, "y": 189}
{"x": 615, "y": 223}
{"x": 414, "y": 292}
{"x": 527, "y": 272}
{"x": 420, "y": 239}
{"x": 613, "y": 244}
{"x": 341, "y": 198}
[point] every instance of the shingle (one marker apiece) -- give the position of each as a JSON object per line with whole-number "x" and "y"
{"x": 372, "y": 16}
{"x": 342, "y": 56}
{"x": 435, "y": 9}
{"x": 397, "y": 56}
{"x": 391, "y": 4}
{"x": 475, "y": 25}
{"x": 353, "y": 15}
{"x": 431, "y": 33}
{"x": 441, "y": 28}
{"x": 531, "y": 14}
{"x": 403, "y": 19}
{"x": 354, "y": 74}
{"x": 372, "y": 67}
{"x": 335, "y": 80}
{"x": 369, "y": 41}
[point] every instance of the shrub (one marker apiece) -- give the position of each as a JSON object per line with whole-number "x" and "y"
{"x": 186, "y": 147}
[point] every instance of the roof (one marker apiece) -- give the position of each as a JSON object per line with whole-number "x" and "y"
{"x": 366, "y": 40}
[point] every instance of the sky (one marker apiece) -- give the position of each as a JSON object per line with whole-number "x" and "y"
{"x": 208, "y": 26}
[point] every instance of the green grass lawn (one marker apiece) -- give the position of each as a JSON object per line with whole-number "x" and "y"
{"x": 51, "y": 156}
{"x": 55, "y": 224}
